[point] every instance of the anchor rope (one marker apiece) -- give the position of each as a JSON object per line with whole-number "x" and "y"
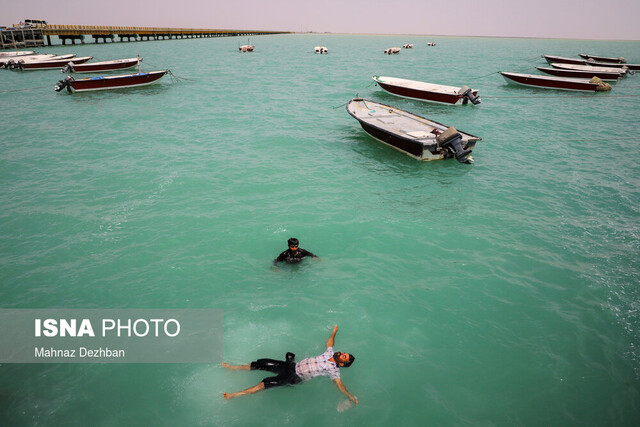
{"x": 23, "y": 90}
{"x": 178, "y": 79}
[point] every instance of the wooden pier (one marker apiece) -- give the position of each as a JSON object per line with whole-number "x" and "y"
{"x": 17, "y": 37}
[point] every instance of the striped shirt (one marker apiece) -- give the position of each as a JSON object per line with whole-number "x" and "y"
{"x": 320, "y": 365}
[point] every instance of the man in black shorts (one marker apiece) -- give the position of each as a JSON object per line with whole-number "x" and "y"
{"x": 294, "y": 253}
{"x": 290, "y": 373}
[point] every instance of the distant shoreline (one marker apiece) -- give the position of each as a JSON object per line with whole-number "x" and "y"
{"x": 455, "y": 36}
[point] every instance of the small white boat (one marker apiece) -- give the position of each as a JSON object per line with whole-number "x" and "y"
{"x": 408, "y": 46}
{"x": 247, "y": 47}
{"x": 431, "y": 44}
{"x": 392, "y": 51}
{"x": 321, "y": 50}
{"x": 417, "y": 136}
{"x": 430, "y": 92}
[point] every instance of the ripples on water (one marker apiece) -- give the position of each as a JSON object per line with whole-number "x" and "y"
{"x": 499, "y": 293}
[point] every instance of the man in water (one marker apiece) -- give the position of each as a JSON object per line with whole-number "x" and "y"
{"x": 289, "y": 373}
{"x": 294, "y": 253}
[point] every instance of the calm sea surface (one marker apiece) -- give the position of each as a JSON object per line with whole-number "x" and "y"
{"x": 499, "y": 293}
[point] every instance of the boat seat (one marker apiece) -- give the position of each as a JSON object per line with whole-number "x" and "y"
{"x": 420, "y": 134}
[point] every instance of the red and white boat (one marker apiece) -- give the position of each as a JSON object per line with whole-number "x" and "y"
{"x": 551, "y": 82}
{"x": 619, "y": 60}
{"x": 633, "y": 67}
{"x": 583, "y": 67}
{"x": 563, "y": 59}
{"x": 321, "y": 50}
{"x": 111, "y": 82}
{"x": 17, "y": 53}
{"x": 48, "y": 64}
{"x": 6, "y": 62}
{"x": 561, "y": 72}
{"x": 430, "y": 92}
{"x": 99, "y": 67}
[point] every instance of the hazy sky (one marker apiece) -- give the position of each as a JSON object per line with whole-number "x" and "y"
{"x": 584, "y": 19}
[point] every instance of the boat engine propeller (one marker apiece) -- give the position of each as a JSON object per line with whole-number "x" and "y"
{"x": 68, "y": 68}
{"x": 467, "y": 95}
{"x": 451, "y": 140}
{"x": 64, "y": 83}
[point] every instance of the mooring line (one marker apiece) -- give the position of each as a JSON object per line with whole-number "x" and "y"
{"x": 23, "y": 90}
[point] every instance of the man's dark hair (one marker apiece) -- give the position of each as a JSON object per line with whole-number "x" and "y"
{"x": 351, "y": 359}
{"x": 293, "y": 241}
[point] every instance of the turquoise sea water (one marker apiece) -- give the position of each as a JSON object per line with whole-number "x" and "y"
{"x": 501, "y": 293}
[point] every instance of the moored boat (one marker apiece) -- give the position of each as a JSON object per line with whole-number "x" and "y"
{"x": 6, "y": 62}
{"x": 48, "y": 64}
{"x": 247, "y": 47}
{"x": 321, "y": 50}
{"x": 584, "y": 74}
{"x": 102, "y": 66}
{"x": 618, "y": 60}
{"x": 111, "y": 82}
{"x": 411, "y": 134}
{"x": 552, "y": 82}
{"x": 408, "y": 46}
{"x": 430, "y": 92}
{"x": 633, "y": 67}
{"x": 582, "y": 67}
{"x": 563, "y": 59}
{"x": 16, "y": 53}
{"x": 392, "y": 51}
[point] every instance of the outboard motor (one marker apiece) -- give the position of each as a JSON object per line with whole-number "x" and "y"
{"x": 451, "y": 140}
{"x": 467, "y": 95}
{"x": 68, "y": 68}
{"x": 64, "y": 83}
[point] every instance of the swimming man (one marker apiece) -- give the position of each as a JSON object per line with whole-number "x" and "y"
{"x": 294, "y": 253}
{"x": 288, "y": 372}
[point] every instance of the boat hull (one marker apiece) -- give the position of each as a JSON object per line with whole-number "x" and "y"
{"x": 563, "y": 60}
{"x": 548, "y": 82}
{"x": 439, "y": 94}
{"x": 419, "y": 143}
{"x": 48, "y": 65}
{"x": 116, "y": 82}
{"x": 618, "y": 60}
{"x": 578, "y": 67}
{"x": 561, "y": 72}
{"x": 633, "y": 67}
{"x": 99, "y": 67}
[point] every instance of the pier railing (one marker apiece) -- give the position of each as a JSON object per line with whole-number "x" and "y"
{"x": 57, "y": 30}
{"x": 33, "y": 36}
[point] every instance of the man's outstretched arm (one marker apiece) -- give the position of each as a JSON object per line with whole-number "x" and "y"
{"x": 343, "y": 389}
{"x": 332, "y": 338}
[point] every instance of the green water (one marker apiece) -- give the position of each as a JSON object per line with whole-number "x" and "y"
{"x": 501, "y": 293}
